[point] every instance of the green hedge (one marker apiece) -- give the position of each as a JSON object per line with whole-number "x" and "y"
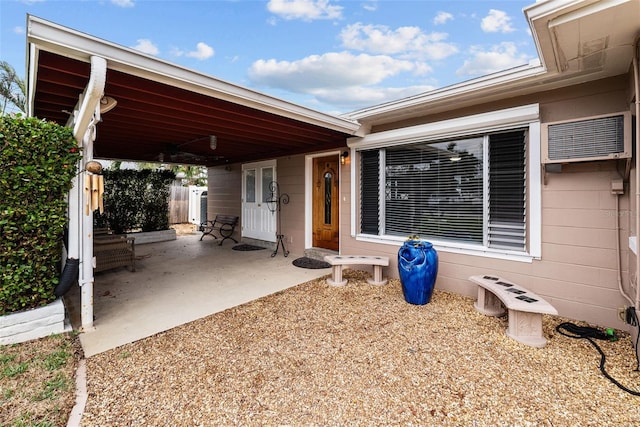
{"x": 136, "y": 200}
{"x": 37, "y": 163}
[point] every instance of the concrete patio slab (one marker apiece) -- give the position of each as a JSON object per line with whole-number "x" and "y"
{"x": 176, "y": 282}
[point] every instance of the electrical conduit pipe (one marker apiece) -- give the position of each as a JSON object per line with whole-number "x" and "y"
{"x": 636, "y": 82}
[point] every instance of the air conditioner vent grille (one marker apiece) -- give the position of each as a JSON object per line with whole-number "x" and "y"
{"x": 586, "y": 138}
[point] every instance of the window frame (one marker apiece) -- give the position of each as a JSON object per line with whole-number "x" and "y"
{"x": 526, "y": 116}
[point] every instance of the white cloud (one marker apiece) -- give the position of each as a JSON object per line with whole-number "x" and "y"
{"x": 202, "y": 52}
{"x": 18, "y": 29}
{"x": 370, "y": 6}
{"x": 442, "y": 18}
{"x": 331, "y": 70}
{"x": 147, "y": 46}
{"x": 356, "y": 97}
{"x": 123, "y": 3}
{"x": 496, "y": 22}
{"x": 306, "y": 10}
{"x": 409, "y": 41}
{"x": 499, "y": 58}
{"x": 422, "y": 69}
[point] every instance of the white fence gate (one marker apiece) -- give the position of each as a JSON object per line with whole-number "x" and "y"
{"x": 184, "y": 204}
{"x": 195, "y": 194}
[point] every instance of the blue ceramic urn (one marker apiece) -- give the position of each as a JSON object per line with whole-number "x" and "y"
{"x": 418, "y": 268}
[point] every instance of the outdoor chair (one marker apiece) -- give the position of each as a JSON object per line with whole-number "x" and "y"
{"x": 113, "y": 250}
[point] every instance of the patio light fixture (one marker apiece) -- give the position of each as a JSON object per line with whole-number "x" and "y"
{"x": 343, "y": 157}
{"x": 107, "y": 104}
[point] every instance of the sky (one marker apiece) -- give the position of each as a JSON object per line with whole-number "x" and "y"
{"x": 329, "y": 55}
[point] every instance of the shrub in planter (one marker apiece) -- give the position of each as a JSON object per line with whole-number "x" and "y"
{"x": 136, "y": 199}
{"x": 155, "y": 209}
{"x": 37, "y": 163}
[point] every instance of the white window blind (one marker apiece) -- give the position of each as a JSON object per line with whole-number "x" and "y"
{"x": 435, "y": 190}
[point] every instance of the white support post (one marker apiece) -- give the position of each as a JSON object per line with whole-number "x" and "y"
{"x": 73, "y": 244}
{"x": 86, "y": 264}
{"x": 86, "y": 116}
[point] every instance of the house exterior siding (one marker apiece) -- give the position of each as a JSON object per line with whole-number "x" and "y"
{"x": 224, "y": 193}
{"x": 577, "y": 270}
{"x": 290, "y": 177}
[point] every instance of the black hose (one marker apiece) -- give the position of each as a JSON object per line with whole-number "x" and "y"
{"x": 587, "y": 333}
{"x": 68, "y": 277}
{"x": 631, "y": 318}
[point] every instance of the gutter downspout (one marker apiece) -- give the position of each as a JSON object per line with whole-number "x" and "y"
{"x": 81, "y": 226}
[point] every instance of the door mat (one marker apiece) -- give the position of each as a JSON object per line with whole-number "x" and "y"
{"x": 245, "y": 247}
{"x": 306, "y": 262}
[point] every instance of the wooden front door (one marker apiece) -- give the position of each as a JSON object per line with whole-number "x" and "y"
{"x": 325, "y": 203}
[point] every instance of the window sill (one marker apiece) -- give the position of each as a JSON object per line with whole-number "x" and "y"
{"x": 442, "y": 246}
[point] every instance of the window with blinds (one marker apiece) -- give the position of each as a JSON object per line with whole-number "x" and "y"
{"x": 469, "y": 190}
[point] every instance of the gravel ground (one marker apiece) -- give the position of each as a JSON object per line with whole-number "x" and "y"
{"x": 358, "y": 355}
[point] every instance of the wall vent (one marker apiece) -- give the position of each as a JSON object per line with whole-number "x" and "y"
{"x": 594, "y": 138}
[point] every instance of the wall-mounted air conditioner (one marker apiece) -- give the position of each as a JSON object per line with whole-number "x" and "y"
{"x": 592, "y": 138}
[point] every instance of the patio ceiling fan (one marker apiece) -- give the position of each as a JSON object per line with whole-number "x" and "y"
{"x": 174, "y": 152}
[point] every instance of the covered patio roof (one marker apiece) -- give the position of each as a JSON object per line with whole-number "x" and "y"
{"x": 166, "y": 113}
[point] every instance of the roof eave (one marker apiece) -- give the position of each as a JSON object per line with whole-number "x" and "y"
{"x": 471, "y": 89}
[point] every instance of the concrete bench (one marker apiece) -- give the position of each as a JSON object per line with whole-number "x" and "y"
{"x": 525, "y": 308}
{"x": 338, "y": 261}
